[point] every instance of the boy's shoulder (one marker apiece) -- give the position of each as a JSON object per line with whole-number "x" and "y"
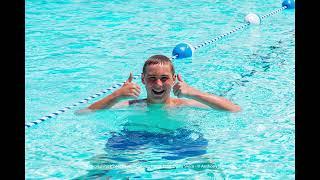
{"x": 187, "y": 102}
{"x": 179, "y": 101}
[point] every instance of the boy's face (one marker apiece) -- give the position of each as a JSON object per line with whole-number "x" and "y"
{"x": 158, "y": 80}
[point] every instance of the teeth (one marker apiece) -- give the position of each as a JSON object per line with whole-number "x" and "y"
{"x": 157, "y": 92}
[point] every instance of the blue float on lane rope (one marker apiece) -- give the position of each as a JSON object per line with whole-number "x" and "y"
{"x": 289, "y": 4}
{"x": 182, "y": 50}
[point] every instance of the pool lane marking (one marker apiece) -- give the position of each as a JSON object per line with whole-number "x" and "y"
{"x": 238, "y": 28}
{"x": 274, "y": 12}
{"x": 221, "y": 36}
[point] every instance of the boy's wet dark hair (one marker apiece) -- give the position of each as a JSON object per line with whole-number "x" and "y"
{"x": 158, "y": 59}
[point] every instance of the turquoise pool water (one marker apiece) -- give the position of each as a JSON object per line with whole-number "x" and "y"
{"x": 76, "y": 48}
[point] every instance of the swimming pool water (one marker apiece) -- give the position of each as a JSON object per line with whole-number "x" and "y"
{"x": 76, "y": 48}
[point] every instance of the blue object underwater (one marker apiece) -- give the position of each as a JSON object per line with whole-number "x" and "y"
{"x": 180, "y": 144}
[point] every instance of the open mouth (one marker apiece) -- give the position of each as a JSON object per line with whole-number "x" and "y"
{"x": 158, "y": 93}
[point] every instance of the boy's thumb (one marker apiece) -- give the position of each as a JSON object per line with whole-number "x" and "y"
{"x": 180, "y": 78}
{"x": 130, "y": 77}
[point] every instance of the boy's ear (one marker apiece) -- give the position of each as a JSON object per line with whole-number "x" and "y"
{"x": 142, "y": 78}
{"x": 174, "y": 77}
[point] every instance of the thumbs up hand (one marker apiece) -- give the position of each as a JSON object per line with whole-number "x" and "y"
{"x": 182, "y": 89}
{"x": 128, "y": 89}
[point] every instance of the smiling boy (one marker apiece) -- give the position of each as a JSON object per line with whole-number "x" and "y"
{"x": 159, "y": 79}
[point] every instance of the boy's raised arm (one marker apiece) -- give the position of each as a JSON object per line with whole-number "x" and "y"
{"x": 182, "y": 89}
{"x": 128, "y": 90}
